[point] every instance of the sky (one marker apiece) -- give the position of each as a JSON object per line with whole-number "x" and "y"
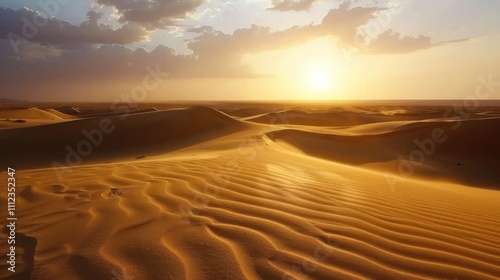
{"x": 170, "y": 50}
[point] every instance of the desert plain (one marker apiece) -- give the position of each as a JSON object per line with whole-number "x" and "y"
{"x": 252, "y": 191}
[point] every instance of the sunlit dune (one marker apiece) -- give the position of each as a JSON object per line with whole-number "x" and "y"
{"x": 31, "y": 117}
{"x": 254, "y": 193}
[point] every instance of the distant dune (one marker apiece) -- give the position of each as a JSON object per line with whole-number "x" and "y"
{"x": 195, "y": 193}
{"x": 31, "y": 113}
{"x": 60, "y": 114}
{"x": 69, "y": 110}
{"x": 245, "y": 112}
{"x": 337, "y": 118}
{"x": 113, "y": 112}
{"x": 20, "y": 118}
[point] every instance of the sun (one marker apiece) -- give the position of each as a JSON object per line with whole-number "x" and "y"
{"x": 320, "y": 80}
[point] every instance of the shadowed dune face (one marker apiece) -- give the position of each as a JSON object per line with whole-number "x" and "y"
{"x": 197, "y": 194}
{"x": 463, "y": 151}
{"x": 115, "y": 137}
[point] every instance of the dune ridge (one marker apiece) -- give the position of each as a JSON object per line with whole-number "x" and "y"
{"x": 60, "y": 114}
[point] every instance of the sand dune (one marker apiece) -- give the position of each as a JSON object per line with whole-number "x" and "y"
{"x": 69, "y": 110}
{"x": 219, "y": 198}
{"x": 338, "y": 117}
{"x": 60, "y": 114}
{"x": 118, "y": 111}
{"x": 114, "y": 137}
{"x": 31, "y": 113}
{"x": 245, "y": 112}
{"x": 30, "y": 117}
{"x": 464, "y": 152}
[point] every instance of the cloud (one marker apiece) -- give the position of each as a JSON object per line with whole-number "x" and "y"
{"x": 85, "y": 61}
{"x": 255, "y": 39}
{"x": 218, "y": 54}
{"x": 341, "y": 23}
{"x": 38, "y": 66}
{"x": 454, "y": 41}
{"x": 291, "y": 5}
{"x": 47, "y": 62}
{"x": 390, "y": 42}
{"x": 152, "y": 14}
{"x": 214, "y": 53}
{"x": 29, "y": 25}
{"x": 222, "y": 54}
{"x": 345, "y": 21}
{"x": 45, "y": 71}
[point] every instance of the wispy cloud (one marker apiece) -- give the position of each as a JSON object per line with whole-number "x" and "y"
{"x": 291, "y": 5}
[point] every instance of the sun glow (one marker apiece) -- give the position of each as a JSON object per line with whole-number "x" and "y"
{"x": 320, "y": 80}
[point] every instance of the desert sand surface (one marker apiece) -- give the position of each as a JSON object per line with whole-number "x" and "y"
{"x": 256, "y": 191}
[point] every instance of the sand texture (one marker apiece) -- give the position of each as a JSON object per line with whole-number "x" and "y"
{"x": 249, "y": 193}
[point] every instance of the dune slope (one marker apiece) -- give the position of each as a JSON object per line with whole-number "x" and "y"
{"x": 463, "y": 151}
{"x": 262, "y": 214}
{"x": 103, "y": 139}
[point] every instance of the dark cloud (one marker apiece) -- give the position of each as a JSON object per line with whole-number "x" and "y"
{"x": 291, "y": 5}
{"x": 47, "y": 70}
{"x": 29, "y": 25}
{"x": 152, "y": 14}
{"x": 86, "y": 62}
{"x": 220, "y": 54}
{"x": 43, "y": 70}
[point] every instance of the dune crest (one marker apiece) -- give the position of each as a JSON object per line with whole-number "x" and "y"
{"x": 60, "y": 114}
